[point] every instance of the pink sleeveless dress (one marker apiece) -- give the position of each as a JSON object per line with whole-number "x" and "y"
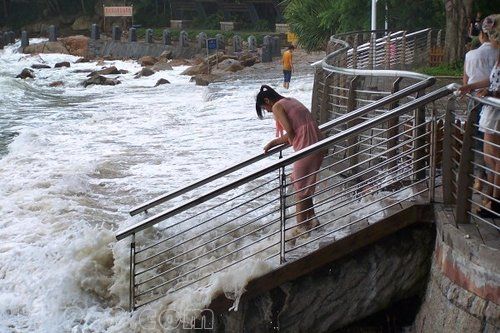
{"x": 306, "y": 133}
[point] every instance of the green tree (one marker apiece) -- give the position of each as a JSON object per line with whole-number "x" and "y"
{"x": 315, "y": 21}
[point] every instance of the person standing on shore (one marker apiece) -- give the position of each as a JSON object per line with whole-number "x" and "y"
{"x": 287, "y": 66}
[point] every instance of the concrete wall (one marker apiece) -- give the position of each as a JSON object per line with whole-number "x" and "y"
{"x": 118, "y": 49}
{"x": 463, "y": 292}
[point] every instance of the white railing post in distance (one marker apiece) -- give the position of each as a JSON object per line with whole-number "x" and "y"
{"x": 387, "y": 49}
{"x": 352, "y": 152}
{"x": 371, "y": 52}
{"x": 438, "y": 40}
{"x": 355, "y": 52}
{"x": 132, "y": 274}
{"x": 447, "y": 163}
{"x": 282, "y": 180}
{"x": 428, "y": 47}
{"x": 403, "y": 50}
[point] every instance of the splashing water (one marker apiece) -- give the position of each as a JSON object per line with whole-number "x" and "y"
{"x": 73, "y": 160}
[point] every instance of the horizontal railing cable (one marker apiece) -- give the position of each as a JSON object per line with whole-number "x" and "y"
{"x": 425, "y": 83}
{"x": 425, "y": 99}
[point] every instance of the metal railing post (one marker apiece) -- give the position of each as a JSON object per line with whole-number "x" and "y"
{"x": 465, "y": 178}
{"x": 315, "y": 105}
{"x": 282, "y": 178}
{"x": 403, "y": 50}
{"x": 418, "y": 133}
{"x": 371, "y": 53}
{"x": 355, "y": 52}
{"x": 387, "y": 49}
{"x": 428, "y": 46}
{"x": 432, "y": 156}
{"x": 447, "y": 162}
{"x": 392, "y": 125}
{"x": 132, "y": 274}
{"x": 323, "y": 109}
{"x": 351, "y": 105}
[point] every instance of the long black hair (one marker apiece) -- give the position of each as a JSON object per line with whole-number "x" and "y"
{"x": 265, "y": 92}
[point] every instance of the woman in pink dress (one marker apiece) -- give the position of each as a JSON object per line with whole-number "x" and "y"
{"x": 301, "y": 130}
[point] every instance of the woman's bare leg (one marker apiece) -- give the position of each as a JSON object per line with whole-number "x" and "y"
{"x": 492, "y": 163}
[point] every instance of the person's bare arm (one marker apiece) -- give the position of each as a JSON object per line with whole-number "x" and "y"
{"x": 281, "y": 117}
{"x": 465, "y": 78}
{"x": 473, "y": 86}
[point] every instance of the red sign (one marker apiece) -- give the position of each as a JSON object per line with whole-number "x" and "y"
{"x": 118, "y": 11}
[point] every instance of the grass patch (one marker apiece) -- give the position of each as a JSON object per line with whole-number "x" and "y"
{"x": 455, "y": 69}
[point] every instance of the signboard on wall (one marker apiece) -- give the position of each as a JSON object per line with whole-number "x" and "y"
{"x": 118, "y": 11}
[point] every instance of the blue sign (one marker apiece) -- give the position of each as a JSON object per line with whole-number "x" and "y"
{"x": 212, "y": 43}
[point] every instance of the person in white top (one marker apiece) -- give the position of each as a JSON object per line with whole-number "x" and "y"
{"x": 479, "y": 62}
{"x": 490, "y": 121}
{"x": 477, "y": 67}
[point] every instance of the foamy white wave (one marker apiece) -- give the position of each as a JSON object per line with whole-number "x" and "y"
{"x": 76, "y": 159}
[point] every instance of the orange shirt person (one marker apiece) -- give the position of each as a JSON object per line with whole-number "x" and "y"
{"x": 287, "y": 66}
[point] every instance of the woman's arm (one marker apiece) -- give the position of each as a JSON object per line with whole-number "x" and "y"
{"x": 473, "y": 86}
{"x": 281, "y": 117}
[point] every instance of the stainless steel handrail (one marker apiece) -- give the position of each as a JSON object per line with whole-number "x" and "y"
{"x": 426, "y": 82}
{"x": 421, "y": 101}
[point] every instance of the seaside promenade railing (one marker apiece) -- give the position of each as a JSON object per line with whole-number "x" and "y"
{"x": 385, "y": 159}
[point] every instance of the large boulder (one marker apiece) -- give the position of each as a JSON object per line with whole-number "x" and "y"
{"x": 40, "y": 66}
{"x": 179, "y": 62}
{"x": 165, "y": 56}
{"x": 147, "y": 61}
{"x": 26, "y": 74}
{"x": 100, "y": 80}
{"x": 76, "y": 45}
{"x": 161, "y": 81}
{"x": 196, "y": 70}
{"x": 230, "y": 65}
{"x": 105, "y": 71}
{"x": 248, "y": 60}
{"x": 162, "y": 66}
{"x": 144, "y": 72}
{"x": 62, "y": 64}
{"x": 203, "y": 79}
{"x": 46, "y": 47}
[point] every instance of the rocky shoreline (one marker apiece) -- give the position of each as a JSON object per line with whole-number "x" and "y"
{"x": 203, "y": 70}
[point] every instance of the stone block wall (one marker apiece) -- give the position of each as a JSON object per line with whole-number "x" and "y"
{"x": 463, "y": 292}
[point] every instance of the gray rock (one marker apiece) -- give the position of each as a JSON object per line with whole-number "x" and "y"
{"x": 144, "y": 72}
{"x": 162, "y": 66}
{"x": 56, "y": 84}
{"x": 161, "y": 81}
{"x": 62, "y": 64}
{"x": 39, "y": 66}
{"x": 26, "y": 73}
{"x": 105, "y": 71}
{"x": 100, "y": 80}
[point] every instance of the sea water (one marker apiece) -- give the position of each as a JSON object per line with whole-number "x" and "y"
{"x": 74, "y": 160}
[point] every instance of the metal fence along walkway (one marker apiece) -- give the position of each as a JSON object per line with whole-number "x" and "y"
{"x": 383, "y": 145}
